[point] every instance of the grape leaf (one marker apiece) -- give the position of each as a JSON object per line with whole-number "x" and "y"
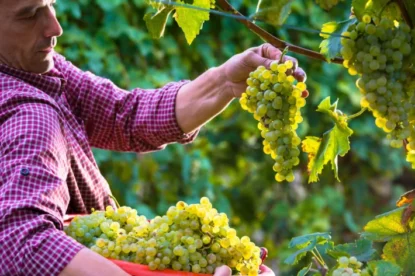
{"x": 273, "y": 12}
{"x": 376, "y": 8}
{"x": 156, "y": 23}
{"x": 305, "y": 239}
{"x": 305, "y": 244}
{"x": 335, "y": 142}
{"x": 384, "y": 268}
{"x": 190, "y": 20}
{"x": 305, "y": 270}
{"x": 331, "y": 45}
{"x": 410, "y": 7}
{"x": 401, "y": 250}
{"x": 299, "y": 254}
{"x": 406, "y": 198}
{"x": 362, "y": 249}
{"x": 386, "y": 226}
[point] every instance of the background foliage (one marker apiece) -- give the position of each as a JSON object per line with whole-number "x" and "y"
{"x": 226, "y": 162}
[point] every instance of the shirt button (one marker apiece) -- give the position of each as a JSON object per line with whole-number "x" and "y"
{"x": 24, "y": 171}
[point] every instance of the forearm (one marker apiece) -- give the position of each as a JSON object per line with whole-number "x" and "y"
{"x": 87, "y": 262}
{"x": 201, "y": 100}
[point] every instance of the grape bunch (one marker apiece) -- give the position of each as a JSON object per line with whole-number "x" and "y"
{"x": 381, "y": 52}
{"x": 193, "y": 238}
{"x": 349, "y": 267}
{"x": 276, "y": 102}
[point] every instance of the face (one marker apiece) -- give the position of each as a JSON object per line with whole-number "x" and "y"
{"x": 28, "y": 31}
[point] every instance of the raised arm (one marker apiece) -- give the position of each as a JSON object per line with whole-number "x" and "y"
{"x": 138, "y": 120}
{"x": 202, "y": 99}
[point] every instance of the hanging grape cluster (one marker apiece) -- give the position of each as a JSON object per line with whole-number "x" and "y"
{"x": 349, "y": 267}
{"x": 380, "y": 51}
{"x": 276, "y": 102}
{"x": 193, "y": 238}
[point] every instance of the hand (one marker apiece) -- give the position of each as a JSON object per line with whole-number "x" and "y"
{"x": 236, "y": 70}
{"x": 226, "y": 271}
{"x": 223, "y": 271}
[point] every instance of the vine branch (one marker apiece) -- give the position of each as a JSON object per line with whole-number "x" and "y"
{"x": 405, "y": 13}
{"x": 224, "y": 4}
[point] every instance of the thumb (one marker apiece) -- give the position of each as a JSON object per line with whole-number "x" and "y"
{"x": 223, "y": 271}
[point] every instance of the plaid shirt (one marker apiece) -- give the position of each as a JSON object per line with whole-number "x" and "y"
{"x": 48, "y": 124}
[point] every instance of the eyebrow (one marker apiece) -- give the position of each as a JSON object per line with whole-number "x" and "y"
{"x": 29, "y": 9}
{"x": 26, "y": 10}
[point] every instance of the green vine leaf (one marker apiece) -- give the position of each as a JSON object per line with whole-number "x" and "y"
{"x": 334, "y": 142}
{"x": 375, "y": 8}
{"x": 156, "y": 23}
{"x": 401, "y": 250}
{"x": 305, "y": 270}
{"x": 361, "y": 249}
{"x": 331, "y": 45}
{"x": 273, "y": 12}
{"x": 190, "y": 20}
{"x": 305, "y": 244}
{"x": 387, "y": 226}
{"x": 410, "y": 7}
{"x": 384, "y": 268}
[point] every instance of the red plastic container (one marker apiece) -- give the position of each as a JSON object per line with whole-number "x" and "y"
{"x": 143, "y": 270}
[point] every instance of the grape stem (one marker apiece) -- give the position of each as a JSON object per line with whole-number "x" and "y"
{"x": 404, "y": 13}
{"x": 115, "y": 200}
{"x": 318, "y": 257}
{"x": 284, "y": 52}
{"x": 321, "y": 268}
{"x": 224, "y": 5}
{"x": 357, "y": 114}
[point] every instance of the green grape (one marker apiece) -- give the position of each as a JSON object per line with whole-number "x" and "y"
{"x": 193, "y": 237}
{"x": 380, "y": 54}
{"x": 277, "y": 108}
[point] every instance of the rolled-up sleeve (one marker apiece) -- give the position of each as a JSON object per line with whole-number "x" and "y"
{"x": 33, "y": 192}
{"x": 139, "y": 120}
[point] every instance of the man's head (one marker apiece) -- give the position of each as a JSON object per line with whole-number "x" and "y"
{"x": 28, "y": 33}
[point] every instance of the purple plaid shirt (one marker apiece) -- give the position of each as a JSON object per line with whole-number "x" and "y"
{"x": 48, "y": 124}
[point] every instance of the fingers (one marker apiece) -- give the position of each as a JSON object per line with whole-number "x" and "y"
{"x": 266, "y": 271}
{"x": 266, "y": 54}
{"x": 270, "y": 52}
{"x": 223, "y": 271}
{"x": 300, "y": 75}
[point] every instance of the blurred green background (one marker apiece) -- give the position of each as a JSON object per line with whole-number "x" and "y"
{"x": 226, "y": 163}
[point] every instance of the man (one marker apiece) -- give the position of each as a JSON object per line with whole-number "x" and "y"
{"x": 52, "y": 113}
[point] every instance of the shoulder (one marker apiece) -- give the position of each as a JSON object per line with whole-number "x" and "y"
{"x": 22, "y": 106}
{"x": 66, "y": 68}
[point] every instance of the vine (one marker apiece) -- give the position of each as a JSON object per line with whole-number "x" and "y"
{"x": 396, "y": 227}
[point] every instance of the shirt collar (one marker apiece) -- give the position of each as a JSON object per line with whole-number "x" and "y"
{"x": 51, "y": 82}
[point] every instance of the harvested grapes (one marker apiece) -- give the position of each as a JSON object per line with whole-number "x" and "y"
{"x": 193, "y": 238}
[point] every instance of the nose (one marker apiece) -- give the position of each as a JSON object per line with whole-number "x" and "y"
{"x": 52, "y": 26}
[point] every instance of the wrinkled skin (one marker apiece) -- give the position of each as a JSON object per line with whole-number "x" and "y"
{"x": 28, "y": 31}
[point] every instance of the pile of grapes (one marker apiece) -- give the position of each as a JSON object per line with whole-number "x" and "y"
{"x": 193, "y": 238}
{"x": 349, "y": 267}
{"x": 381, "y": 52}
{"x": 276, "y": 102}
